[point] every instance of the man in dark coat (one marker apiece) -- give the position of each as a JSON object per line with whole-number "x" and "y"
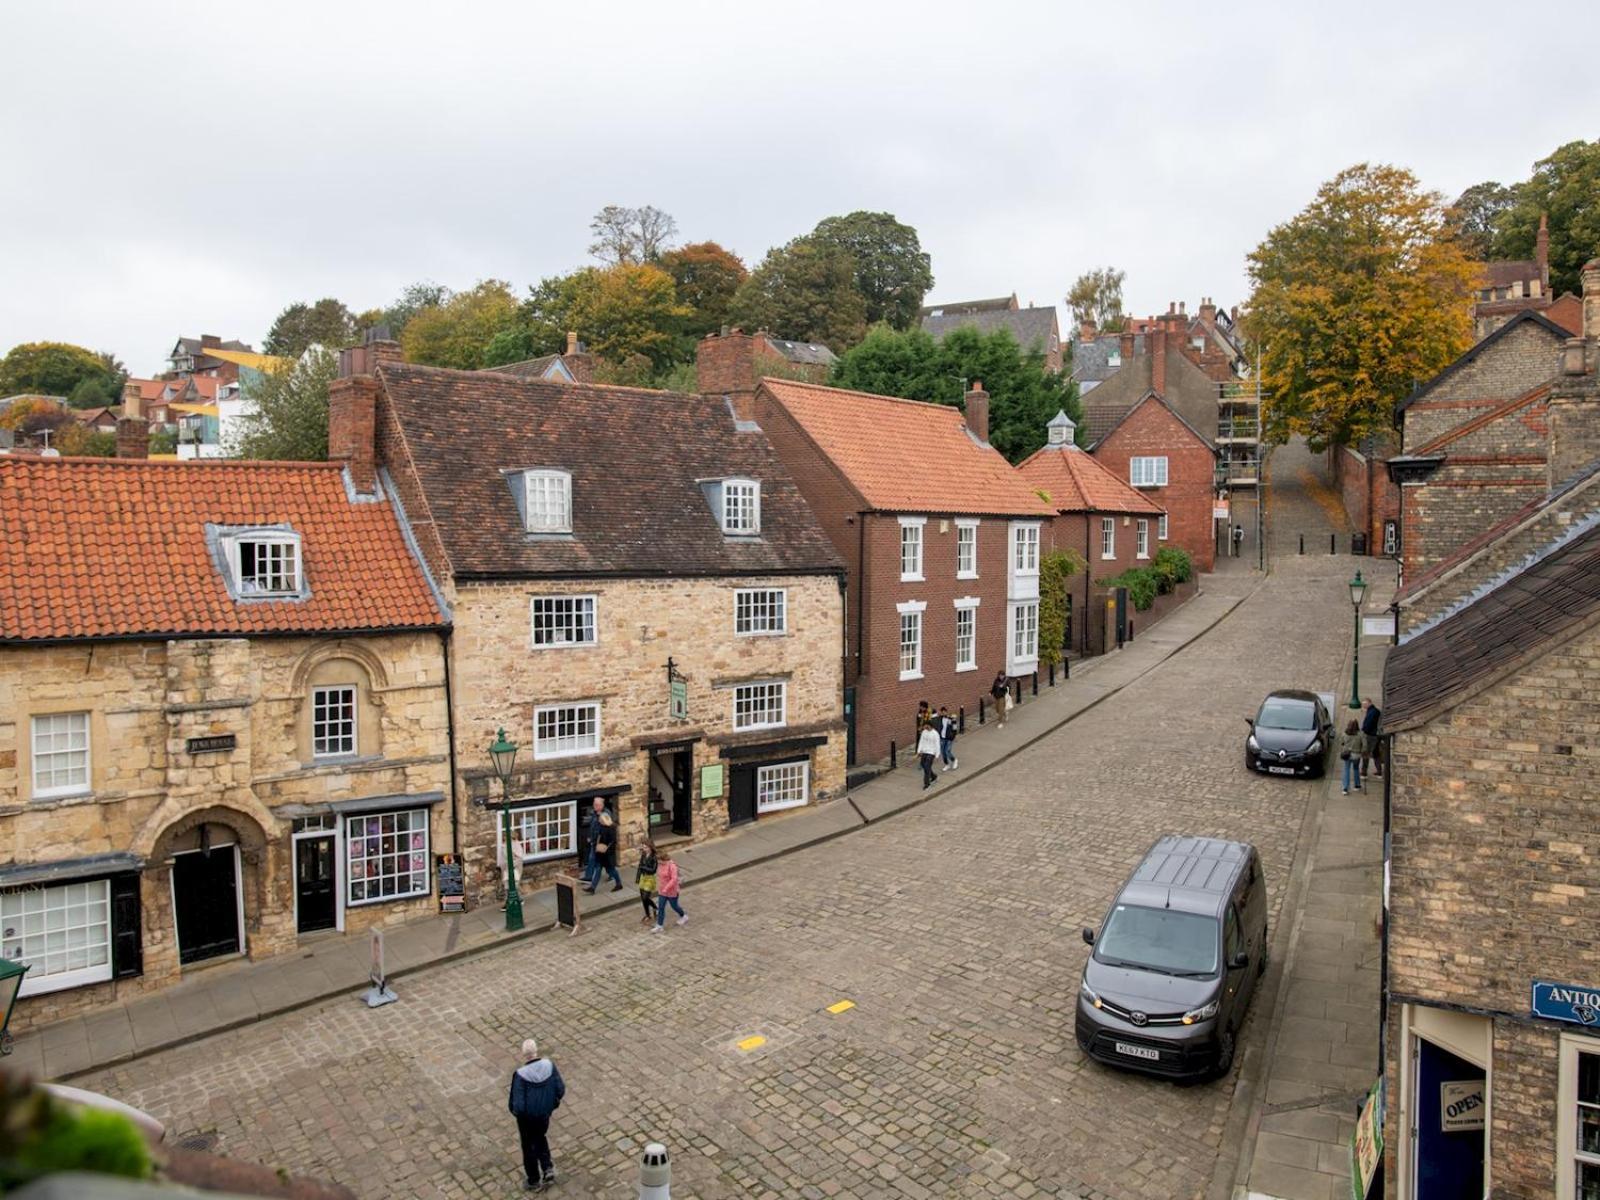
{"x": 536, "y": 1091}
{"x": 1369, "y": 740}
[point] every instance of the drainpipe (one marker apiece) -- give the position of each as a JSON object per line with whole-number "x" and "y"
{"x": 450, "y": 734}
{"x": 861, "y": 601}
{"x": 1087, "y": 584}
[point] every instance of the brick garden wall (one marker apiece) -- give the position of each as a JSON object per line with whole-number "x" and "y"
{"x": 1191, "y": 476}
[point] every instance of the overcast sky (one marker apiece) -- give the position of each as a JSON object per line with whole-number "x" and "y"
{"x": 173, "y": 169}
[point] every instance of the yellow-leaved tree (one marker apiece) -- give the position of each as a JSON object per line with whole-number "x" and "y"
{"x": 1358, "y": 298}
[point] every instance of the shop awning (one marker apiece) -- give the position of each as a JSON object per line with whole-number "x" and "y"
{"x": 63, "y": 870}
{"x": 761, "y": 749}
{"x": 366, "y": 804}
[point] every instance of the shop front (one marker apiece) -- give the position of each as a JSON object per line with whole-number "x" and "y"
{"x": 74, "y": 922}
{"x": 768, "y": 777}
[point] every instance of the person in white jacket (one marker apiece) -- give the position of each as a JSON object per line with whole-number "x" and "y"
{"x": 927, "y": 751}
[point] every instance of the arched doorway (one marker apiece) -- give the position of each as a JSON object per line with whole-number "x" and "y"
{"x": 213, "y": 856}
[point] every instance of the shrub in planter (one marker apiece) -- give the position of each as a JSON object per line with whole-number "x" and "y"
{"x": 39, "y": 1136}
{"x": 1142, "y": 585}
{"x": 1172, "y": 567}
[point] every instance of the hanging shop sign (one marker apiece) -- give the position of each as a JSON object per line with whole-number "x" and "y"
{"x": 1566, "y": 1002}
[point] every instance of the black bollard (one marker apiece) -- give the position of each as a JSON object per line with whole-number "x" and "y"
{"x": 980, "y": 710}
{"x": 1052, "y": 674}
{"x": 961, "y": 719}
{"x": 1066, "y": 667}
{"x": 1130, "y": 629}
{"x": 893, "y": 761}
{"x": 1019, "y": 692}
{"x": 1302, "y": 543}
{"x": 1036, "y": 681}
{"x": 1333, "y": 543}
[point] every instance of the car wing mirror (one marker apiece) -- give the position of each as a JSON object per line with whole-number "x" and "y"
{"x": 1088, "y": 936}
{"x": 1239, "y": 961}
{"x": 1250, "y": 721}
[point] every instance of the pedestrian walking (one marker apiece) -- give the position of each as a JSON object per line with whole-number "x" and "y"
{"x": 667, "y": 885}
{"x": 1369, "y": 733}
{"x": 1000, "y": 690}
{"x": 924, "y": 715}
{"x": 645, "y": 878}
{"x": 927, "y": 751}
{"x": 603, "y": 848}
{"x": 536, "y": 1091}
{"x": 946, "y": 725}
{"x": 1350, "y": 744}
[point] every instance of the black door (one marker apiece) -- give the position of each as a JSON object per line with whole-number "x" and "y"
{"x": 683, "y": 792}
{"x": 205, "y": 887}
{"x": 849, "y": 727}
{"x": 741, "y": 795}
{"x": 313, "y": 884}
{"x": 1122, "y": 615}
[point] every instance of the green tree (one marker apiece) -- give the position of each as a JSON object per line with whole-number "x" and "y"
{"x": 458, "y": 332}
{"x": 1355, "y": 299}
{"x": 57, "y": 368}
{"x": 1056, "y": 567}
{"x": 397, "y": 316}
{"x": 1023, "y": 394}
{"x": 1097, "y": 296}
{"x": 288, "y": 418}
{"x": 327, "y": 323}
{"x": 630, "y": 236}
{"x": 95, "y": 391}
{"x": 806, "y": 292}
{"x": 706, "y": 277}
{"x": 620, "y": 312}
{"x": 1476, "y": 215}
{"x": 1566, "y": 187}
{"x": 892, "y": 272}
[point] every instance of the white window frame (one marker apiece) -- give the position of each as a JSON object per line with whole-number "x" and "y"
{"x": 87, "y": 751}
{"x": 1021, "y": 653}
{"x": 913, "y": 609}
{"x": 1161, "y": 528}
{"x": 590, "y": 746}
{"x": 1025, "y": 549}
{"x": 966, "y": 539}
{"x": 39, "y": 979}
{"x": 770, "y": 603}
{"x": 744, "y": 696}
{"x": 1568, "y": 1156}
{"x": 567, "y": 809}
{"x": 1108, "y": 538}
{"x": 1148, "y": 471}
{"x": 911, "y": 537}
{"x": 738, "y": 518}
{"x": 967, "y": 606}
{"x": 764, "y": 775}
{"x": 543, "y": 517}
{"x": 1141, "y": 542}
{"x": 553, "y": 604}
{"x": 235, "y": 543}
{"x": 349, "y": 840}
{"x": 317, "y": 693}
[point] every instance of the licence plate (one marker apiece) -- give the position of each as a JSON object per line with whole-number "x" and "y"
{"x": 1137, "y": 1051}
{"x": 1281, "y": 770}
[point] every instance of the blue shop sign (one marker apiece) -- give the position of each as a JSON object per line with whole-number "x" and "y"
{"x": 1566, "y": 1002}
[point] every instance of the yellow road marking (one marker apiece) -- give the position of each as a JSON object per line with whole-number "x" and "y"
{"x": 842, "y": 1006}
{"x": 751, "y": 1043}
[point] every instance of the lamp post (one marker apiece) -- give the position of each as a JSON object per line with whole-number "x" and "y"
{"x": 11, "y": 976}
{"x": 1358, "y": 589}
{"x": 503, "y": 755}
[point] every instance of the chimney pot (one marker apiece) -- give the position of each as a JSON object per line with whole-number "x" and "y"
{"x": 572, "y": 342}
{"x": 977, "y": 411}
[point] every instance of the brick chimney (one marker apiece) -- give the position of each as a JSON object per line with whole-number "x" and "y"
{"x": 1127, "y": 340}
{"x": 1574, "y": 414}
{"x": 352, "y": 429}
{"x": 572, "y": 342}
{"x": 133, "y": 431}
{"x": 725, "y": 365}
{"x": 1208, "y": 313}
{"x": 1541, "y": 250}
{"x": 1086, "y": 331}
{"x": 977, "y": 401}
{"x": 1157, "y": 343}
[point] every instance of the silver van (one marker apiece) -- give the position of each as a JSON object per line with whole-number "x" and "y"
{"x": 1176, "y": 961}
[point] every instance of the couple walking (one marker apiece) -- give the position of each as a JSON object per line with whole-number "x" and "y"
{"x": 658, "y": 883}
{"x": 1358, "y": 748}
{"x": 936, "y": 738}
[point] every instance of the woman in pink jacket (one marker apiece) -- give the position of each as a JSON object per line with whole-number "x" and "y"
{"x": 666, "y": 891}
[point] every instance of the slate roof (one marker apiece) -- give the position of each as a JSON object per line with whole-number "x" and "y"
{"x": 1032, "y": 327}
{"x": 529, "y": 368}
{"x": 1190, "y": 393}
{"x": 907, "y": 456}
{"x": 1516, "y": 623}
{"x": 1079, "y": 482}
{"x": 637, "y": 459}
{"x": 803, "y": 352}
{"x": 1091, "y": 359}
{"x": 1504, "y": 272}
{"x": 104, "y": 547}
{"x": 1487, "y": 343}
{"x": 995, "y": 304}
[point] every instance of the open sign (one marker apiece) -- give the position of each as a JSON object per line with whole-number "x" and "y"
{"x": 1461, "y": 1106}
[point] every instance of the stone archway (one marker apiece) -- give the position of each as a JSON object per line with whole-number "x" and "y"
{"x": 212, "y": 826}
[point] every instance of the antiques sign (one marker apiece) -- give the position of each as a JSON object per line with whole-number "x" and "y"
{"x": 1566, "y": 1002}
{"x": 213, "y": 743}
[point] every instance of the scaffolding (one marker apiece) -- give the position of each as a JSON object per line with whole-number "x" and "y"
{"x": 1240, "y": 457}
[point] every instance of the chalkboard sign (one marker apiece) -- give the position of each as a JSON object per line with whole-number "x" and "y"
{"x": 567, "y": 902}
{"x": 452, "y": 884}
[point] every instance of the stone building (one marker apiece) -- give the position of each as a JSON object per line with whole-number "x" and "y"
{"x": 641, "y": 599}
{"x": 222, "y": 719}
{"x": 1493, "y": 971}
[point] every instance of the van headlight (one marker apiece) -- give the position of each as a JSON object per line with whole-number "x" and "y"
{"x": 1203, "y": 1013}
{"x": 1252, "y": 743}
{"x": 1088, "y": 993}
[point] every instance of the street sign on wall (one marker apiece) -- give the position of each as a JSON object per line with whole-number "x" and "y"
{"x": 1566, "y": 1002}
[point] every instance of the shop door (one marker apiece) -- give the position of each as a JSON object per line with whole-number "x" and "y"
{"x": 741, "y": 795}
{"x": 205, "y": 897}
{"x": 1449, "y": 1162}
{"x": 315, "y": 904}
{"x": 683, "y": 792}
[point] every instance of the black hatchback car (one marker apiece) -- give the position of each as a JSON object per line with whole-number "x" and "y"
{"x": 1290, "y": 735}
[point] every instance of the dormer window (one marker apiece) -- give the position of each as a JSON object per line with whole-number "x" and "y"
{"x": 741, "y": 507}
{"x": 264, "y": 563}
{"x": 547, "y": 501}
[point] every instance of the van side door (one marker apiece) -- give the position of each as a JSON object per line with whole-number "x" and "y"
{"x": 1236, "y": 990}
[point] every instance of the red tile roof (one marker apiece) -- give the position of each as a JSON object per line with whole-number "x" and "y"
{"x": 907, "y": 456}
{"x": 93, "y": 548}
{"x": 1079, "y": 482}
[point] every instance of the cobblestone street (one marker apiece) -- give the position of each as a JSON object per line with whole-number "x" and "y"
{"x": 952, "y": 928}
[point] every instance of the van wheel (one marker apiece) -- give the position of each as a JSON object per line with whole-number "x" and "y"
{"x": 1225, "y": 1054}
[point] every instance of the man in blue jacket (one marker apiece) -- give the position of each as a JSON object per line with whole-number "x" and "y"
{"x": 536, "y": 1091}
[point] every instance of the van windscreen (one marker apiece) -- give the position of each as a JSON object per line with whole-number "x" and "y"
{"x": 1159, "y": 939}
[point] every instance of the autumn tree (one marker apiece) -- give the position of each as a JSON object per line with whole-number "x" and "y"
{"x": 395, "y": 318}
{"x": 620, "y": 312}
{"x": 61, "y": 369}
{"x": 1475, "y": 216}
{"x": 457, "y": 333}
{"x": 1566, "y": 188}
{"x": 630, "y": 236}
{"x": 1096, "y": 296}
{"x": 287, "y": 415}
{"x": 327, "y": 323}
{"x": 33, "y": 416}
{"x": 706, "y": 277}
{"x": 1355, "y": 299}
{"x": 1023, "y": 393}
{"x": 892, "y": 271}
{"x": 805, "y": 292}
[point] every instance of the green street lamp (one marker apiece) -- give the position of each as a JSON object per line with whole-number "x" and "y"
{"x": 11, "y": 975}
{"x": 503, "y": 755}
{"x": 1358, "y": 589}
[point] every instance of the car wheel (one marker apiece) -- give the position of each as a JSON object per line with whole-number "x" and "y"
{"x": 1225, "y": 1051}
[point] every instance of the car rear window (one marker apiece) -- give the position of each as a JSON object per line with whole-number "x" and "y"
{"x": 1287, "y": 714}
{"x": 1159, "y": 939}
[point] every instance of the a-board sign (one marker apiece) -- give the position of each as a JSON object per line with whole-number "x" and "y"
{"x": 1366, "y": 1143}
{"x": 567, "y": 902}
{"x": 452, "y": 884}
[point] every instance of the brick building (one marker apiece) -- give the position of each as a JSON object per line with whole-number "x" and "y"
{"x": 1161, "y": 454}
{"x": 1112, "y": 525}
{"x": 591, "y": 541}
{"x": 1371, "y": 498}
{"x": 939, "y": 535}
{"x": 1507, "y": 287}
{"x": 222, "y": 719}
{"x": 1493, "y": 971}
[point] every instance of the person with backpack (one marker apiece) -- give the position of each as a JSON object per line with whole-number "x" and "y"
{"x": 645, "y": 879}
{"x": 947, "y": 727}
{"x": 1000, "y": 692}
{"x": 667, "y": 885}
{"x": 536, "y": 1092}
